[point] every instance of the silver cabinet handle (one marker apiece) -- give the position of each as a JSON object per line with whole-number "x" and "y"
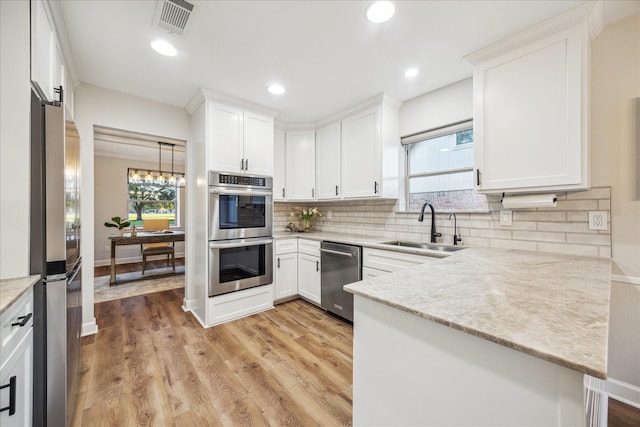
{"x": 246, "y": 164}
{"x": 241, "y": 164}
{"x": 313, "y": 193}
{"x": 330, "y": 251}
{"x": 336, "y": 190}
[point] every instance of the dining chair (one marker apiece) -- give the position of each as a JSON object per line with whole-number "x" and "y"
{"x": 153, "y": 249}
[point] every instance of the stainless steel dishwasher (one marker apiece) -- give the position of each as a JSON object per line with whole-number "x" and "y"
{"x": 340, "y": 264}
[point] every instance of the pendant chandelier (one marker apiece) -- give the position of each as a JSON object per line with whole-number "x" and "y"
{"x": 157, "y": 177}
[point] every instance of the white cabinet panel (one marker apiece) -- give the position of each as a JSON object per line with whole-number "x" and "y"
{"x": 368, "y": 272}
{"x": 42, "y": 48}
{"x": 286, "y": 275}
{"x": 225, "y": 138}
{"x": 361, "y": 154}
{"x": 531, "y": 112}
{"x": 328, "y": 162}
{"x": 235, "y": 305}
{"x": 309, "y": 277}
{"x": 309, "y": 247}
{"x": 279, "y": 169}
{"x": 300, "y": 165}
{"x": 388, "y": 261}
{"x": 258, "y": 144}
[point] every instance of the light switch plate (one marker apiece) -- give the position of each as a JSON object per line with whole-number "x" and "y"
{"x": 597, "y": 220}
{"x": 506, "y": 217}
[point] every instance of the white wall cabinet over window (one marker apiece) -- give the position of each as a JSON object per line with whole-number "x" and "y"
{"x": 240, "y": 140}
{"x": 300, "y": 165}
{"x": 328, "y": 162}
{"x": 531, "y": 108}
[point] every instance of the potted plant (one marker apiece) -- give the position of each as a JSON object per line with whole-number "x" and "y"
{"x": 118, "y": 223}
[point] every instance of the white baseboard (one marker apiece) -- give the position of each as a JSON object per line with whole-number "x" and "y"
{"x": 129, "y": 260}
{"x": 89, "y": 328}
{"x": 625, "y": 279}
{"x": 624, "y": 392}
{"x": 187, "y": 304}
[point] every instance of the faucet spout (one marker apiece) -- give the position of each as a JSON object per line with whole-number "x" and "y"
{"x": 434, "y": 234}
{"x": 456, "y": 236}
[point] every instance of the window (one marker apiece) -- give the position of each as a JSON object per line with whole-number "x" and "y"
{"x": 440, "y": 169}
{"x": 149, "y": 201}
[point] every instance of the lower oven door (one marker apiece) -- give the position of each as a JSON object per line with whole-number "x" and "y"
{"x": 239, "y": 264}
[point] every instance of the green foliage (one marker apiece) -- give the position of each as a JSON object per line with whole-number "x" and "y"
{"x": 117, "y": 223}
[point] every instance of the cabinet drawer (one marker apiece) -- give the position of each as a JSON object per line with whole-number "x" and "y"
{"x": 309, "y": 247}
{"x": 389, "y": 260}
{"x": 235, "y": 305}
{"x": 286, "y": 246}
{"x": 12, "y": 335}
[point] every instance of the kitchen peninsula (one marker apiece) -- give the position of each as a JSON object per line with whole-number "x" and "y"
{"x": 435, "y": 327}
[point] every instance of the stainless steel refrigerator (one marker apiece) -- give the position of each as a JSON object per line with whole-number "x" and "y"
{"x": 55, "y": 255}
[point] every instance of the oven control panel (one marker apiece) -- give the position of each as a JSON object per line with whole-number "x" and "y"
{"x": 250, "y": 181}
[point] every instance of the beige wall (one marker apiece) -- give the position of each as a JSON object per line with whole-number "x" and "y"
{"x": 110, "y": 183}
{"x": 615, "y": 82}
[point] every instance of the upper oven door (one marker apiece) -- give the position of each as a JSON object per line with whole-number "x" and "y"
{"x": 238, "y": 214}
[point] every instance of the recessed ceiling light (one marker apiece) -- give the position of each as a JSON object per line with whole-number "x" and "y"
{"x": 276, "y": 89}
{"x": 411, "y": 73}
{"x": 164, "y": 48}
{"x": 380, "y": 11}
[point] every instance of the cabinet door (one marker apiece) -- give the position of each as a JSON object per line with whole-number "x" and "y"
{"x": 529, "y": 116}
{"x": 361, "y": 155}
{"x": 300, "y": 165}
{"x": 286, "y": 275}
{"x": 279, "y": 190}
{"x": 328, "y": 162}
{"x": 225, "y": 138}
{"x": 19, "y": 367}
{"x": 309, "y": 277}
{"x": 258, "y": 144}
{"x": 42, "y": 48}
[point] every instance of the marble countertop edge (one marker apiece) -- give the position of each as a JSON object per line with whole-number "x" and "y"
{"x": 12, "y": 289}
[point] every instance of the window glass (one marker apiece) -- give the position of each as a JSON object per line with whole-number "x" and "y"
{"x": 440, "y": 170}
{"x": 152, "y": 201}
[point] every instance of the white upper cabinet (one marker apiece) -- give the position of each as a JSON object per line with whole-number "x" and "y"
{"x": 531, "y": 108}
{"x": 47, "y": 64}
{"x": 370, "y": 151}
{"x": 279, "y": 168}
{"x": 328, "y": 162}
{"x": 300, "y": 165}
{"x": 240, "y": 140}
{"x": 258, "y": 143}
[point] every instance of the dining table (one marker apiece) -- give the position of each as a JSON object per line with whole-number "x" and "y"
{"x": 140, "y": 238}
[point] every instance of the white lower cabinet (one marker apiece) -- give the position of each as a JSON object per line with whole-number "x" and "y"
{"x": 309, "y": 277}
{"x": 16, "y": 348}
{"x": 235, "y": 305}
{"x": 376, "y": 262}
{"x": 285, "y": 269}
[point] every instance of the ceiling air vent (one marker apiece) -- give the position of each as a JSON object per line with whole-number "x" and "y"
{"x": 173, "y": 15}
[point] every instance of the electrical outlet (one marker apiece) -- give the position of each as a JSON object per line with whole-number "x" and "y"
{"x": 506, "y": 217}
{"x": 597, "y": 220}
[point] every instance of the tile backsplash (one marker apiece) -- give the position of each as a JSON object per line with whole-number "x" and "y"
{"x": 563, "y": 229}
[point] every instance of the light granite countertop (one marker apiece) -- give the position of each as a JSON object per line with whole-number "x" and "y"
{"x": 12, "y": 289}
{"x": 554, "y": 307}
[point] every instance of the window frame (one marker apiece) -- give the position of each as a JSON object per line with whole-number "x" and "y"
{"x": 176, "y": 201}
{"x": 408, "y": 140}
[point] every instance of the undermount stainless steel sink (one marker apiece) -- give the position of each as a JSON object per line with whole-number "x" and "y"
{"x": 431, "y": 246}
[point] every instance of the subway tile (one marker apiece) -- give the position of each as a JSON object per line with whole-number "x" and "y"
{"x": 604, "y": 251}
{"x": 513, "y": 244}
{"x": 578, "y": 216}
{"x": 477, "y": 241}
{"x": 487, "y": 232}
{"x": 539, "y": 216}
{"x": 590, "y": 239}
{"x": 594, "y": 193}
{"x": 567, "y": 227}
{"x": 577, "y": 205}
{"x": 604, "y": 205}
{"x": 517, "y": 225}
{"x": 539, "y": 236}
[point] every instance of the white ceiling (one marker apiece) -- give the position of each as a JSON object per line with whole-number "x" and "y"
{"x": 325, "y": 53}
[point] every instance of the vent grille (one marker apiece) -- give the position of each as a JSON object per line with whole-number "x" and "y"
{"x": 174, "y": 15}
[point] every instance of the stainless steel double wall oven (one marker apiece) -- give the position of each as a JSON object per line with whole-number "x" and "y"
{"x": 240, "y": 232}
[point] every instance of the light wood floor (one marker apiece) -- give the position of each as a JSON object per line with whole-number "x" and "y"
{"x": 151, "y": 364}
